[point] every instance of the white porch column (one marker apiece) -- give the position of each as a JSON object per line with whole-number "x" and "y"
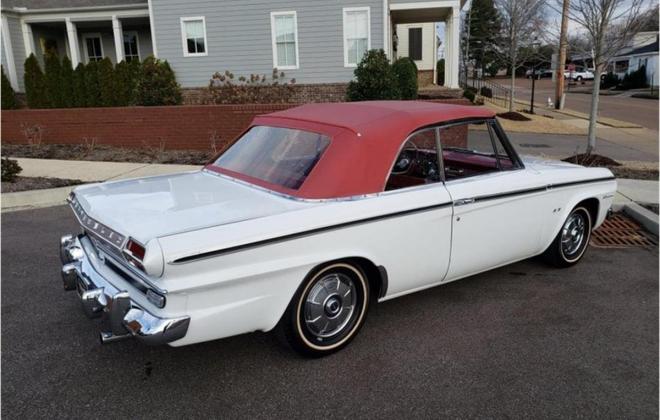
{"x": 448, "y": 54}
{"x": 28, "y": 38}
{"x": 9, "y": 54}
{"x": 119, "y": 39}
{"x": 455, "y": 48}
{"x": 72, "y": 35}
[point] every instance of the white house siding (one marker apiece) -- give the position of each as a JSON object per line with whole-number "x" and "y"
{"x": 239, "y": 37}
{"x": 428, "y": 35}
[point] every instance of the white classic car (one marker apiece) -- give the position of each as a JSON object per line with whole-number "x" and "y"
{"x": 315, "y": 213}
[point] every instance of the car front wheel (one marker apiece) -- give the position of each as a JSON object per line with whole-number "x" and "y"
{"x": 572, "y": 240}
{"x": 328, "y": 310}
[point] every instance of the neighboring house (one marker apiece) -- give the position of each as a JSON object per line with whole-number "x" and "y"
{"x": 419, "y": 42}
{"x": 312, "y": 41}
{"x": 630, "y": 60}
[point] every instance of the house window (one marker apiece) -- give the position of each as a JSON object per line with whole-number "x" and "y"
{"x": 193, "y": 32}
{"x": 621, "y": 66}
{"x": 284, "y": 32}
{"x": 131, "y": 51}
{"x": 415, "y": 43}
{"x": 357, "y": 34}
{"x": 93, "y": 47}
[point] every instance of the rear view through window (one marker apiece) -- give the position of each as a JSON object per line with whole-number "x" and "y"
{"x": 280, "y": 156}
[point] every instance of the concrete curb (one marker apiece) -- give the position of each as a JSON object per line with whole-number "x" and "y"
{"x": 644, "y": 217}
{"x": 25, "y": 200}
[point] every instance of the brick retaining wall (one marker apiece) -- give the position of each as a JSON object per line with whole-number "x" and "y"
{"x": 172, "y": 127}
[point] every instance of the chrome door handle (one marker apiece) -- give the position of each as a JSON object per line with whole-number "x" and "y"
{"x": 463, "y": 201}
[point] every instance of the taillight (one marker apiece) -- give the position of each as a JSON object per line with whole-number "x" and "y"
{"x": 135, "y": 253}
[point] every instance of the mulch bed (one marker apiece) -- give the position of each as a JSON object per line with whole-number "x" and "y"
{"x": 592, "y": 160}
{"x": 106, "y": 153}
{"x": 23, "y": 183}
{"x": 514, "y": 116}
{"x": 634, "y": 173}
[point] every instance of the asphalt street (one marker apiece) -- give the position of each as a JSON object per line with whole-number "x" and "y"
{"x": 523, "y": 341}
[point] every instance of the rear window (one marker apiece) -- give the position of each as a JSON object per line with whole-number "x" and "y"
{"x": 280, "y": 156}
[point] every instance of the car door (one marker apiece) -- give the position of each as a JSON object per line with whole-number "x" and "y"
{"x": 498, "y": 204}
{"x": 420, "y": 241}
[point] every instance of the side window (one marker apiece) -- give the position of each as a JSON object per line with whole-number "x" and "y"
{"x": 472, "y": 149}
{"x": 417, "y": 163}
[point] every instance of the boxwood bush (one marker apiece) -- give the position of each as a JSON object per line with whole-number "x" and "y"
{"x": 405, "y": 71}
{"x": 375, "y": 79}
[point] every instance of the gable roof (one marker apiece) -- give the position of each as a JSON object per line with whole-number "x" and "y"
{"x": 645, "y": 49}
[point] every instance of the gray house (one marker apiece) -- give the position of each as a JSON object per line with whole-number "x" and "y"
{"x": 313, "y": 41}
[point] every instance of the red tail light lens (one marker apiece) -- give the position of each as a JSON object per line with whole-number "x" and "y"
{"x": 135, "y": 250}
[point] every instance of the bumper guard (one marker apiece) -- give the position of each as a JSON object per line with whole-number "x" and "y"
{"x": 121, "y": 316}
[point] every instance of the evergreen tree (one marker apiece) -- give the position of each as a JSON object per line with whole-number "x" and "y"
{"x": 484, "y": 27}
{"x": 375, "y": 79}
{"x": 107, "y": 82}
{"x": 52, "y": 70}
{"x": 127, "y": 75}
{"x": 8, "y": 94}
{"x": 66, "y": 83}
{"x": 79, "y": 96}
{"x": 35, "y": 84}
{"x": 158, "y": 84}
{"x": 92, "y": 84}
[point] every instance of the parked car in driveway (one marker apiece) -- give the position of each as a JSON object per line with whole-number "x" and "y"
{"x": 317, "y": 212}
{"x": 579, "y": 75}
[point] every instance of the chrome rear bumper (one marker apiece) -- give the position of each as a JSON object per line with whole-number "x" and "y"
{"x": 121, "y": 316}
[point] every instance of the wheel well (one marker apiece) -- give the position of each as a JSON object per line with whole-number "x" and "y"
{"x": 591, "y": 204}
{"x": 376, "y": 275}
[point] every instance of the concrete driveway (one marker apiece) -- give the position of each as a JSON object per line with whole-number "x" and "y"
{"x": 523, "y": 341}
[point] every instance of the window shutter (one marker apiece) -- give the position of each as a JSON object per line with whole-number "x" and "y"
{"x": 415, "y": 43}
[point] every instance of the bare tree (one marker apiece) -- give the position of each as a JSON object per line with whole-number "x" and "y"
{"x": 609, "y": 26}
{"x": 521, "y": 23}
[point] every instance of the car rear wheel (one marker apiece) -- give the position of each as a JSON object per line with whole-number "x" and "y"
{"x": 572, "y": 241}
{"x": 328, "y": 310}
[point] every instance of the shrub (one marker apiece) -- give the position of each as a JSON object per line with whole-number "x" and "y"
{"x": 107, "y": 86}
{"x": 440, "y": 70}
{"x": 79, "y": 98}
{"x": 609, "y": 80}
{"x": 92, "y": 84}
{"x": 486, "y": 92}
{"x": 67, "y": 79}
{"x": 127, "y": 76}
{"x": 158, "y": 84}
{"x": 469, "y": 93}
{"x": 10, "y": 170}
{"x": 8, "y": 94}
{"x": 405, "y": 71}
{"x": 374, "y": 79}
{"x": 52, "y": 70}
{"x": 635, "y": 79}
{"x": 35, "y": 85}
{"x": 225, "y": 89}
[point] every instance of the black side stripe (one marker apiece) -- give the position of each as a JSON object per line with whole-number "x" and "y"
{"x": 538, "y": 189}
{"x": 297, "y": 235}
{"x": 308, "y": 232}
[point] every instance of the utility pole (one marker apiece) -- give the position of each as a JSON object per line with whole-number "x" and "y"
{"x": 563, "y": 44}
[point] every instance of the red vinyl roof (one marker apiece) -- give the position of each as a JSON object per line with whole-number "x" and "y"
{"x": 366, "y": 136}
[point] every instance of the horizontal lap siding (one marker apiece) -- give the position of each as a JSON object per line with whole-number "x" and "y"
{"x": 239, "y": 38}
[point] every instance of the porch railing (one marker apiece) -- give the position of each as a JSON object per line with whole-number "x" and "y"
{"x": 489, "y": 90}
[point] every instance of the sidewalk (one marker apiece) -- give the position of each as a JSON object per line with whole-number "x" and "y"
{"x": 86, "y": 171}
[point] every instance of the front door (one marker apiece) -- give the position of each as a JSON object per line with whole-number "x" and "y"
{"x": 497, "y": 202}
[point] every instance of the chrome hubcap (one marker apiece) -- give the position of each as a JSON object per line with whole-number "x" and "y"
{"x": 573, "y": 234}
{"x": 330, "y": 305}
